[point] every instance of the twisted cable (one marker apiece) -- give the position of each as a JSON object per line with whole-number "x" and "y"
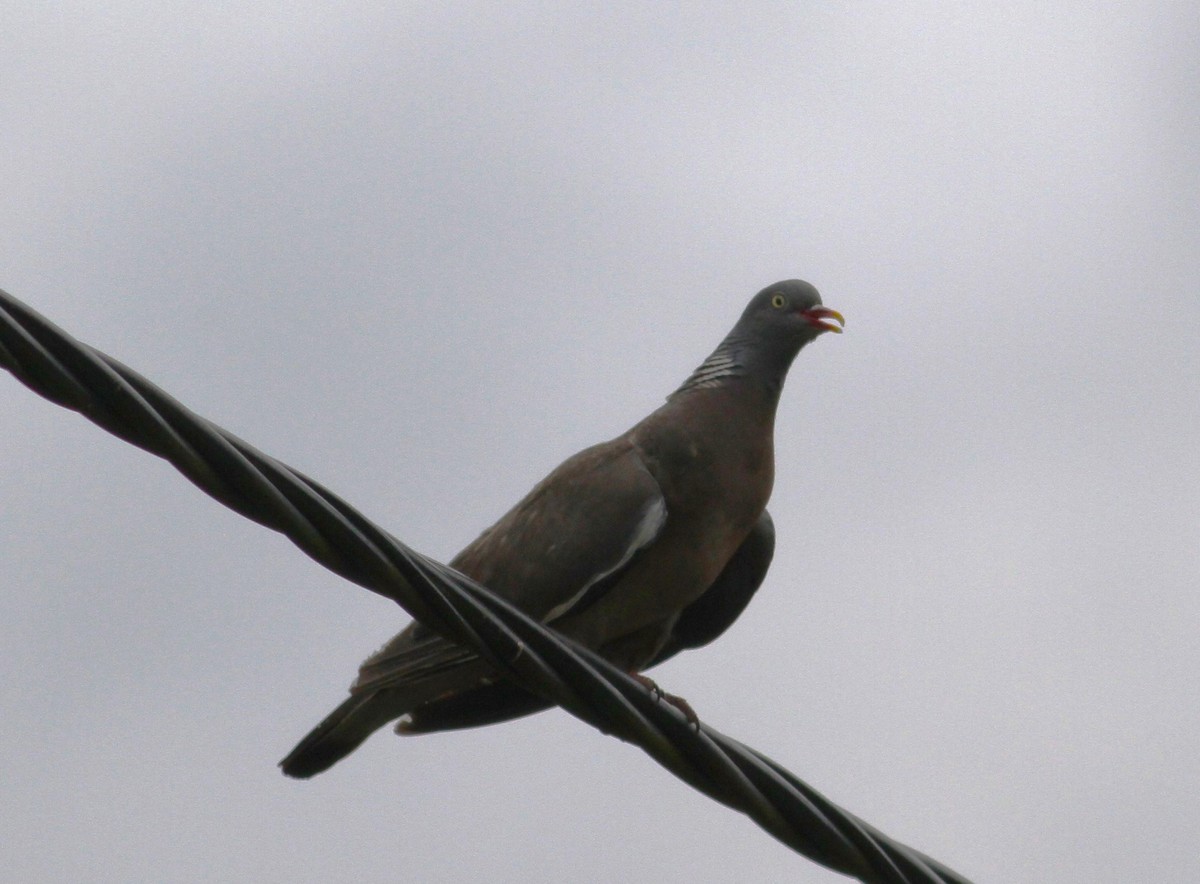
{"x": 78, "y": 377}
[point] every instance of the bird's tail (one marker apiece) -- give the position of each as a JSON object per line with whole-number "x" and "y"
{"x": 374, "y": 703}
{"x": 343, "y": 730}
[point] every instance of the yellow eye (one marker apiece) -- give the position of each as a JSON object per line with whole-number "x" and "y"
{"x": 778, "y": 301}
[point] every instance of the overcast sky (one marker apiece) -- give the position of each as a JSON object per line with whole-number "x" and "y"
{"x": 425, "y": 253}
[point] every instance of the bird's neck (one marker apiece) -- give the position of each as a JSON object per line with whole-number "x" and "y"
{"x": 717, "y": 370}
{"x": 735, "y": 362}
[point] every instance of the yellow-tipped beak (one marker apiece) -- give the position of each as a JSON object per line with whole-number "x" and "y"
{"x": 818, "y": 316}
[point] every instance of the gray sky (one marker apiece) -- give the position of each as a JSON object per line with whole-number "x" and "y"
{"x": 425, "y": 253}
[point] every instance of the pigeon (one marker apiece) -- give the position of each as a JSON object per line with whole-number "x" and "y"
{"x": 637, "y": 548}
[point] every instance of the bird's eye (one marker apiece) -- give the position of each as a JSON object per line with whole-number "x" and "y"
{"x": 778, "y": 301}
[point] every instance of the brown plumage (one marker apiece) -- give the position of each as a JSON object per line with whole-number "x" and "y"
{"x": 637, "y": 547}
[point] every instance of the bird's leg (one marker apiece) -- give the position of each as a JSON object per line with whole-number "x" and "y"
{"x": 659, "y": 694}
{"x": 648, "y": 683}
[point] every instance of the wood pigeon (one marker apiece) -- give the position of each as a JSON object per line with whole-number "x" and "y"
{"x": 637, "y": 548}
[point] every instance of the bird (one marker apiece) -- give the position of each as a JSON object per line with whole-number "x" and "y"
{"x": 638, "y": 548}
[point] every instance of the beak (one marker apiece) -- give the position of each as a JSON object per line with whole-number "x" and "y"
{"x": 818, "y": 315}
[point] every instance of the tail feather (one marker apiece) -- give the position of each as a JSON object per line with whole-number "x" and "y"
{"x": 343, "y": 730}
{"x": 365, "y": 711}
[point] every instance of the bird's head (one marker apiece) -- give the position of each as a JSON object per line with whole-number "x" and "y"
{"x": 788, "y": 312}
{"x": 776, "y": 323}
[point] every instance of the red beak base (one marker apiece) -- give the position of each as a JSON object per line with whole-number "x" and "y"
{"x": 818, "y": 316}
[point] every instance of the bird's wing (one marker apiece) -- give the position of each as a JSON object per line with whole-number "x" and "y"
{"x": 558, "y": 550}
{"x": 700, "y": 623}
{"x": 714, "y": 612}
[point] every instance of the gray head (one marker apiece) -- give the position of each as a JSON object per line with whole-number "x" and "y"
{"x": 776, "y": 323}
{"x": 789, "y": 313}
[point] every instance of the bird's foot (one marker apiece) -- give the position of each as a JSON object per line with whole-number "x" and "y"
{"x": 659, "y": 694}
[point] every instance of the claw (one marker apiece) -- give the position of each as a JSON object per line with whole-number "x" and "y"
{"x": 659, "y": 694}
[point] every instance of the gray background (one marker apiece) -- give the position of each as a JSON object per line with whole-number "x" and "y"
{"x": 425, "y": 253}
